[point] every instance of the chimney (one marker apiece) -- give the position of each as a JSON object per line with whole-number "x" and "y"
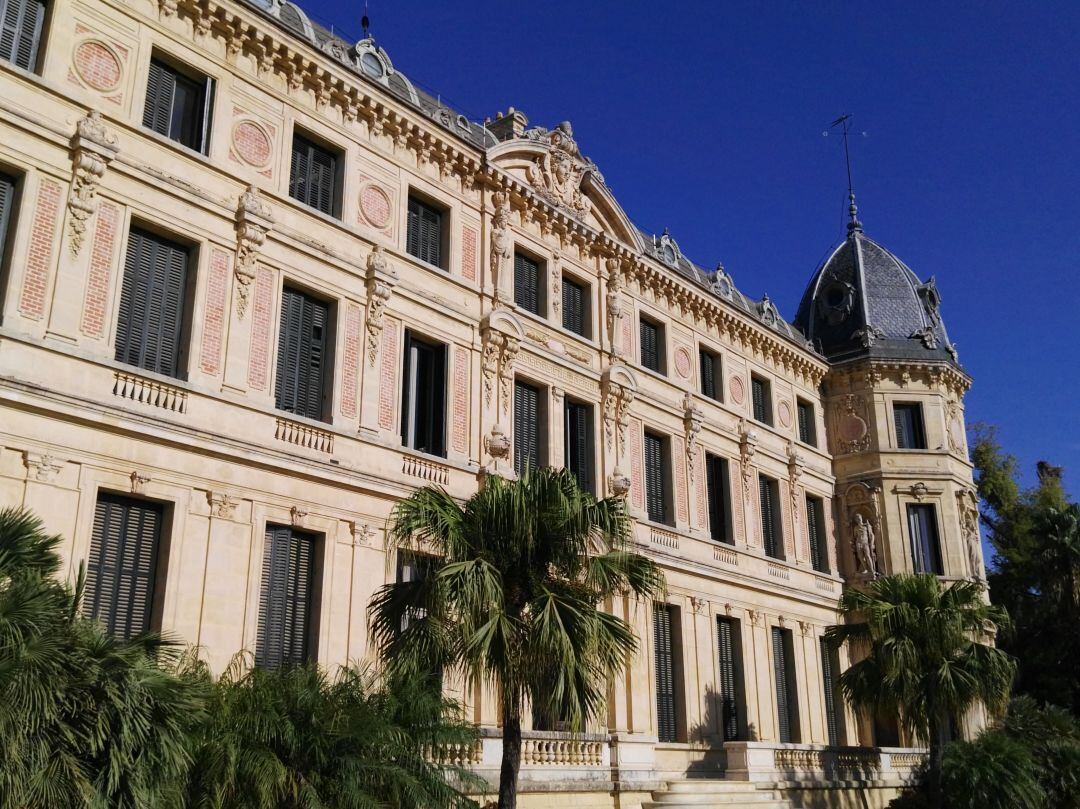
{"x": 509, "y": 126}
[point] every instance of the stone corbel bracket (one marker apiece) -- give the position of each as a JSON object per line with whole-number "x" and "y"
{"x": 796, "y": 465}
{"x": 618, "y": 388}
{"x": 693, "y": 421}
{"x": 748, "y": 444}
{"x": 93, "y": 147}
{"x": 380, "y": 280}
{"x": 254, "y": 219}
{"x": 501, "y": 333}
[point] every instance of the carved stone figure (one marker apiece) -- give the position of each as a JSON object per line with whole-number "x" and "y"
{"x": 557, "y": 174}
{"x": 502, "y": 249}
{"x": 862, "y": 539}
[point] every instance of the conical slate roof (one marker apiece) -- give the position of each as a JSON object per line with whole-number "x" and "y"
{"x": 865, "y": 302}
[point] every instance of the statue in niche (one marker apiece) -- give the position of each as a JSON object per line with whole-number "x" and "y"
{"x": 862, "y": 538}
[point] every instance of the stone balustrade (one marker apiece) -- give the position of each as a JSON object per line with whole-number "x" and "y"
{"x": 814, "y": 763}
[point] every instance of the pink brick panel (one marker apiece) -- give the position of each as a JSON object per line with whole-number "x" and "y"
{"x": 388, "y": 374}
{"x": 627, "y": 339}
{"x": 350, "y": 369}
{"x": 785, "y": 521}
{"x": 699, "y": 488}
{"x": 217, "y": 285}
{"x": 261, "y": 315}
{"x": 637, "y": 487}
{"x": 99, "y": 278}
{"x": 678, "y": 460}
{"x": 468, "y": 253}
{"x": 738, "y": 497}
{"x": 39, "y": 256}
{"x": 461, "y": 399}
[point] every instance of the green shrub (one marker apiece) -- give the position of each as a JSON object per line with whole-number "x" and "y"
{"x": 995, "y": 771}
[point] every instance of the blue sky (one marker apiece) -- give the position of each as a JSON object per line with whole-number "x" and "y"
{"x": 707, "y": 118}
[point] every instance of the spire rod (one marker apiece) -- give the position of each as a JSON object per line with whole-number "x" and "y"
{"x": 365, "y": 22}
{"x": 844, "y": 122}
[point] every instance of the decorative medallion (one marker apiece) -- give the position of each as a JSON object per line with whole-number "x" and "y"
{"x": 375, "y": 206}
{"x": 682, "y": 362}
{"x": 783, "y": 410}
{"x": 252, "y": 143}
{"x": 737, "y": 389}
{"x": 97, "y": 65}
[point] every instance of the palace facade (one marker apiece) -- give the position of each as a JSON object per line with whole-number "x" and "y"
{"x": 256, "y": 287}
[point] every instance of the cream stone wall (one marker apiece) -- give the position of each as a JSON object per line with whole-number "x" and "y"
{"x": 212, "y": 447}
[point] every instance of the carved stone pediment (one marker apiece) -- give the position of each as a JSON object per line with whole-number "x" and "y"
{"x": 557, "y": 174}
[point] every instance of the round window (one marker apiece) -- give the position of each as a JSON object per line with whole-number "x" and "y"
{"x": 372, "y": 65}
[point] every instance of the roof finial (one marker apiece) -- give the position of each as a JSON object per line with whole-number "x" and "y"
{"x": 365, "y": 22}
{"x": 844, "y": 121}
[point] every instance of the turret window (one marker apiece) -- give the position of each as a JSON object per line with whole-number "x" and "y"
{"x": 910, "y": 433}
{"x": 925, "y": 545}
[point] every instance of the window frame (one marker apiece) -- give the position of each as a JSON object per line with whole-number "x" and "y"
{"x": 325, "y": 383}
{"x": 589, "y": 455}
{"x": 539, "y": 287}
{"x": 714, "y": 360}
{"x": 660, "y": 329}
{"x": 732, "y": 726}
{"x": 723, "y": 533}
{"x": 10, "y": 189}
{"x": 775, "y": 530}
{"x": 336, "y": 153}
{"x": 541, "y": 422}
{"x": 918, "y": 425}
{"x": 38, "y": 39}
{"x": 933, "y": 542}
{"x": 415, "y": 196}
{"x": 815, "y": 527}
{"x": 674, "y": 729}
{"x": 409, "y": 393}
{"x": 204, "y": 84}
{"x": 785, "y": 693}
{"x": 809, "y": 435}
{"x": 666, "y": 516}
{"x": 569, "y": 279}
{"x": 765, "y": 385}
{"x": 310, "y": 633}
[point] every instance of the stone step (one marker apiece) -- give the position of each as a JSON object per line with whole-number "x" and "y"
{"x": 719, "y": 804}
{"x": 701, "y": 793}
{"x": 704, "y": 785}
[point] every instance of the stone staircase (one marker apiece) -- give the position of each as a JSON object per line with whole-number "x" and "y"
{"x": 701, "y": 793}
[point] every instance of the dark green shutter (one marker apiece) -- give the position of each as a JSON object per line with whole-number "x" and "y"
{"x": 573, "y": 307}
{"x": 829, "y": 685}
{"x": 900, "y": 417}
{"x": 769, "y": 522}
{"x": 655, "y": 493}
{"x": 783, "y": 674}
{"x": 708, "y": 374}
{"x": 726, "y": 637}
{"x": 718, "y": 489}
{"x": 122, "y": 568}
{"x": 423, "y": 393}
{"x": 285, "y": 602}
{"x": 650, "y": 345}
{"x": 665, "y": 681}
{"x": 578, "y": 442}
{"x": 20, "y": 31}
{"x": 301, "y": 359}
{"x": 152, "y": 303}
{"x": 527, "y": 283}
{"x": 814, "y": 531}
{"x": 759, "y": 389}
{"x": 7, "y": 205}
{"x": 805, "y": 412}
{"x": 423, "y": 237}
{"x": 160, "y": 87}
{"x": 526, "y": 427}
{"x": 313, "y": 175}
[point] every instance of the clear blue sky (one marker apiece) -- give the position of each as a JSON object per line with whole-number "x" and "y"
{"x": 707, "y": 118}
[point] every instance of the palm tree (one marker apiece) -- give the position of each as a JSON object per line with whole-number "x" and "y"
{"x": 925, "y": 663}
{"x": 512, "y": 598}
{"x": 85, "y": 719}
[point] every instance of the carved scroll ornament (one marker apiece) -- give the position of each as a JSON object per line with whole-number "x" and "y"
{"x": 381, "y": 279}
{"x": 254, "y": 219}
{"x": 93, "y": 147}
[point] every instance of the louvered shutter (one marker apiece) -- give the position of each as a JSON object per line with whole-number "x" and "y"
{"x": 299, "y": 170}
{"x": 160, "y": 88}
{"x": 526, "y": 283}
{"x": 285, "y": 601}
{"x": 806, "y": 422}
{"x": 7, "y": 204}
{"x": 650, "y": 345}
{"x": 903, "y": 437}
{"x": 20, "y": 31}
{"x": 768, "y": 517}
{"x": 729, "y": 698}
{"x": 665, "y": 686}
{"x": 324, "y": 178}
{"x": 655, "y": 495}
{"x": 122, "y": 568}
{"x": 578, "y": 443}
{"x": 152, "y": 303}
{"x": 526, "y": 427}
{"x": 719, "y": 493}
{"x": 300, "y": 377}
{"x": 829, "y": 686}
{"x": 423, "y": 237}
{"x": 708, "y": 380}
{"x": 759, "y": 391}
{"x": 781, "y": 671}
{"x": 813, "y": 531}
{"x": 925, "y": 547}
{"x": 573, "y": 307}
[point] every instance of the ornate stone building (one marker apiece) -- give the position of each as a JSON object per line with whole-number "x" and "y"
{"x": 256, "y": 287}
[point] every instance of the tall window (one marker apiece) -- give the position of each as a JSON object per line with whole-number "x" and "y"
{"x": 121, "y": 572}
{"x": 718, "y": 488}
{"x": 652, "y": 345}
{"x": 787, "y": 701}
{"x": 727, "y": 640}
{"x": 657, "y": 493}
{"x": 300, "y": 382}
{"x": 413, "y": 567}
{"x": 20, "y": 31}
{"x": 7, "y": 210}
{"x": 668, "y": 663}
{"x": 178, "y": 105}
{"x": 761, "y": 392}
{"x": 527, "y": 442}
{"x": 152, "y": 303}
{"x": 575, "y": 311}
{"x": 712, "y": 376}
{"x": 771, "y": 528}
{"x": 815, "y": 531}
{"x": 313, "y": 176}
{"x": 578, "y": 442}
{"x": 528, "y": 283}
{"x": 285, "y": 606}
{"x": 423, "y": 236}
{"x": 423, "y": 406}
{"x": 807, "y": 427}
{"x": 829, "y": 668}
{"x": 925, "y": 547}
{"x": 909, "y": 426}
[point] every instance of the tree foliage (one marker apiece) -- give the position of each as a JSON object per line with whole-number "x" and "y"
{"x": 514, "y": 597}
{"x": 1035, "y": 576}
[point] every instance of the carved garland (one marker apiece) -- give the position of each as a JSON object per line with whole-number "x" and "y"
{"x": 381, "y": 279}
{"x": 94, "y": 146}
{"x": 617, "y": 401}
{"x": 497, "y": 365}
{"x": 748, "y": 441}
{"x": 693, "y": 421}
{"x": 254, "y": 219}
